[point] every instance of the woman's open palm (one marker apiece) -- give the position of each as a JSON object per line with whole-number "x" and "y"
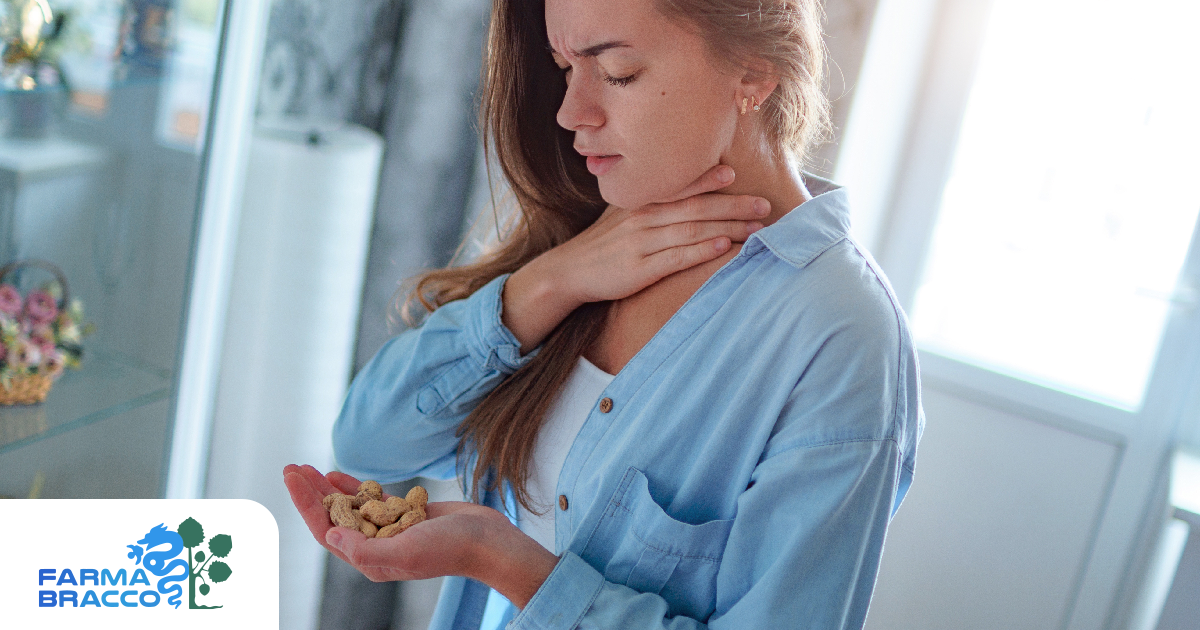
{"x": 441, "y": 545}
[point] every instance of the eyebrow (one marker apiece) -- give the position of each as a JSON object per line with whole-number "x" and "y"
{"x": 592, "y": 51}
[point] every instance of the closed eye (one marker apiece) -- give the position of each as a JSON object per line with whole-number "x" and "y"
{"x": 592, "y": 52}
{"x": 619, "y": 81}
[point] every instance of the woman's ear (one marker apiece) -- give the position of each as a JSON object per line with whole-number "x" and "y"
{"x": 758, "y": 82}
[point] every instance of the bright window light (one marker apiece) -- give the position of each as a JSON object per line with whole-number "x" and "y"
{"x": 1072, "y": 198}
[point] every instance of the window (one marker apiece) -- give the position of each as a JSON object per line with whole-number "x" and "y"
{"x": 1071, "y": 198}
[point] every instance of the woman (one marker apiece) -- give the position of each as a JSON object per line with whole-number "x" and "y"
{"x": 702, "y": 409}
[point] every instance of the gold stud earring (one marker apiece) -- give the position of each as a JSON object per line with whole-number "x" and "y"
{"x": 744, "y": 101}
{"x": 754, "y": 102}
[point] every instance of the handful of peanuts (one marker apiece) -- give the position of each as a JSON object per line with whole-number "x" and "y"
{"x": 370, "y": 514}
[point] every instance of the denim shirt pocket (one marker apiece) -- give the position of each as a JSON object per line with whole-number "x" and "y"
{"x": 637, "y": 544}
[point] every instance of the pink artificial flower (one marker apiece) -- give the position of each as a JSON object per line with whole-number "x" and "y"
{"x": 53, "y": 364}
{"x": 28, "y": 355}
{"x": 43, "y": 336}
{"x": 41, "y": 307}
{"x": 10, "y": 300}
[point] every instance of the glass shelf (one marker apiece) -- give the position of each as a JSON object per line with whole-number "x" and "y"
{"x": 107, "y": 385}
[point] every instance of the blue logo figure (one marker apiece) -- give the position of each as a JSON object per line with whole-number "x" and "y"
{"x": 156, "y": 561}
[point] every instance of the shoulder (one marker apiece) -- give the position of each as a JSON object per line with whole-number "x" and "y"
{"x": 839, "y": 292}
{"x": 853, "y": 360}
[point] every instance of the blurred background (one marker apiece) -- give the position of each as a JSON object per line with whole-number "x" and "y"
{"x": 232, "y": 193}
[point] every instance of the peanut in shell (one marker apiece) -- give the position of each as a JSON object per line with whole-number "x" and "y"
{"x": 372, "y": 488}
{"x": 383, "y": 513}
{"x": 365, "y": 526}
{"x": 418, "y": 497}
{"x": 341, "y": 513}
{"x": 407, "y": 520}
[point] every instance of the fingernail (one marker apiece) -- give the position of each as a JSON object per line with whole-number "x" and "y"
{"x": 334, "y": 537}
{"x": 753, "y": 226}
{"x": 761, "y": 207}
{"x": 725, "y": 175}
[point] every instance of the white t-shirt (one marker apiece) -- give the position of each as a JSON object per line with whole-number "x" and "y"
{"x": 566, "y": 416}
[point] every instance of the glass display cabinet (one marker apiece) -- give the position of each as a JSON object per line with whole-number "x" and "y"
{"x": 118, "y": 164}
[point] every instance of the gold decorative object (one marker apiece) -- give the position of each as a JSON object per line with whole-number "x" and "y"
{"x": 30, "y": 75}
{"x": 34, "y": 18}
{"x": 33, "y": 26}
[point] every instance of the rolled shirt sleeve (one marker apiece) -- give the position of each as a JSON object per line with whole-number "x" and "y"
{"x": 403, "y": 408}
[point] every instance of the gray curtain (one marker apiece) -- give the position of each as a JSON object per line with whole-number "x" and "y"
{"x": 428, "y": 168}
{"x": 424, "y": 189}
{"x": 408, "y": 69}
{"x": 330, "y": 60}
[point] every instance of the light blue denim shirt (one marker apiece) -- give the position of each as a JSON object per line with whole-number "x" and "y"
{"x": 754, "y": 453}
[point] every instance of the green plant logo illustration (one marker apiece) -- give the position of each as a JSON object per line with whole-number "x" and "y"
{"x": 200, "y": 563}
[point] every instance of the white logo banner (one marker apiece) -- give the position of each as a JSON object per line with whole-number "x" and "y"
{"x": 95, "y": 563}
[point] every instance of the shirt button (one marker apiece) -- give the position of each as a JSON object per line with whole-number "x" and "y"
{"x": 562, "y": 502}
{"x": 605, "y": 405}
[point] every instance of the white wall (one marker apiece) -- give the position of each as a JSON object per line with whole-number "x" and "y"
{"x": 996, "y": 526}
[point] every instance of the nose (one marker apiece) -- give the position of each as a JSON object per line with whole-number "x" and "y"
{"x": 581, "y": 106}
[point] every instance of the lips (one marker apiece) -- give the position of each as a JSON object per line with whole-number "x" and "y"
{"x": 598, "y": 165}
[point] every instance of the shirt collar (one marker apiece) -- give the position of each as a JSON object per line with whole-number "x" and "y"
{"x": 810, "y": 228}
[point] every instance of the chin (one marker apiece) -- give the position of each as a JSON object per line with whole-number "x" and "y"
{"x": 627, "y": 194}
{"x": 620, "y": 197}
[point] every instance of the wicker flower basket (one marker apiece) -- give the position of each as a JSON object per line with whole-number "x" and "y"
{"x": 31, "y": 388}
{"x": 26, "y": 389}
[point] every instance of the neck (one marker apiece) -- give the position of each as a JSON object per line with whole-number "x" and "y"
{"x": 760, "y": 172}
